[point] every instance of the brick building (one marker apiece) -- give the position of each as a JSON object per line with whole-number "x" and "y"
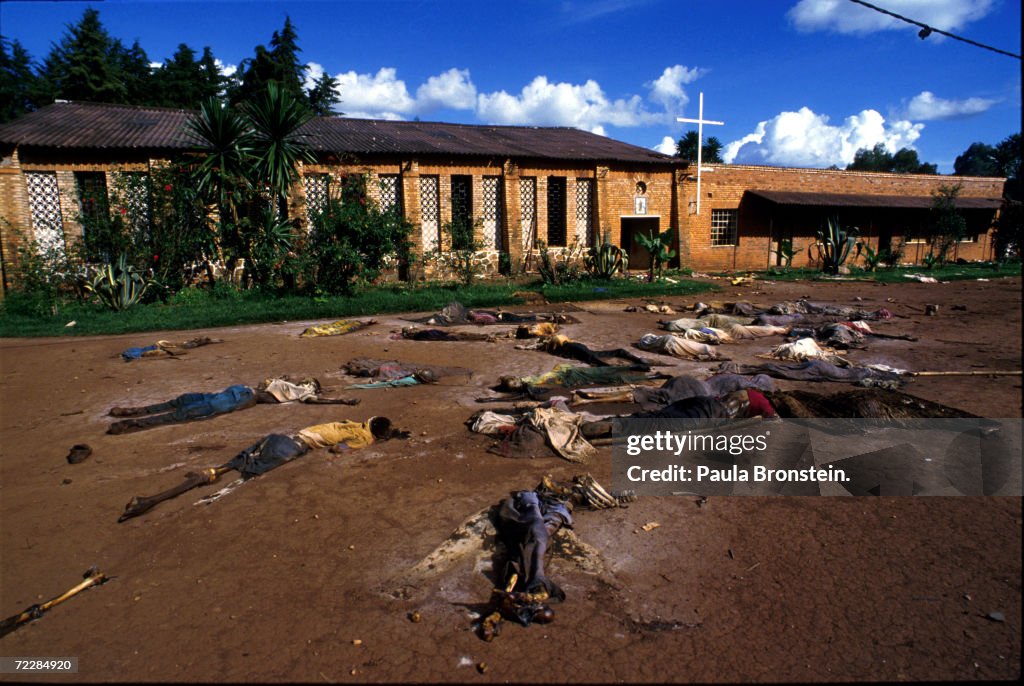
{"x": 525, "y": 185}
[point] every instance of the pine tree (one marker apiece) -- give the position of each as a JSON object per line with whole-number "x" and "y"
{"x": 84, "y": 66}
{"x": 213, "y": 82}
{"x": 136, "y": 75}
{"x": 16, "y": 80}
{"x": 291, "y": 74}
{"x": 323, "y": 96}
{"x": 280, "y": 64}
{"x": 180, "y": 81}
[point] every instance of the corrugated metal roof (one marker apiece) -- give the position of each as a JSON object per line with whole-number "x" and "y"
{"x": 864, "y": 200}
{"x": 77, "y": 125}
{"x": 71, "y": 125}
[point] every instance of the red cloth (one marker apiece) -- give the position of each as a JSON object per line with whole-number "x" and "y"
{"x": 759, "y": 404}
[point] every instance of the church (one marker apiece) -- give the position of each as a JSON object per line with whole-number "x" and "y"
{"x": 522, "y": 187}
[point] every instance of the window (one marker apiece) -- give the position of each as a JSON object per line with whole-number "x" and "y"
{"x": 317, "y": 188}
{"x": 492, "y": 212}
{"x": 94, "y": 216}
{"x": 556, "y": 211}
{"x": 462, "y": 212}
{"x": 430, "y": 212}
{"x": 723, "y": 227}
{"x": 528, "y": 210}
{"x": 390, "y": 193}
{"x": 584, "y": 210}
{"x": 44, "y": 206}
{"x": 92, "y": 195}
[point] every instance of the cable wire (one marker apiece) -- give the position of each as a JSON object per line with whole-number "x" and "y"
{"x": 927, "y": 30}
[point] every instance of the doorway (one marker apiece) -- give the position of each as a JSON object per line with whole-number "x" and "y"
{"x": 639, "y": 257}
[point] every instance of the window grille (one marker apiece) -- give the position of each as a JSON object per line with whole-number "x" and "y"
{"x": 462, "y": 211}
{"x": 584, "y": 210}
{"x": 430, "y": 211}
{"x": 390, "y": 193}
{"x": 528, "y": 210}
{"x": 44, "y": 207}
{"x": 556, "y": 211}
{"x": 317, "y": 188}
{"x": 492, "y": 212}
{"x": 723, "y": 227}
{"x": 94, "y": 212}
{"x": 133, "y": 194}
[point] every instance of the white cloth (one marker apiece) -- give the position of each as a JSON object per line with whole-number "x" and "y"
{"x": 285, "y": 391}
{"x": 563, "y": 432}
{"x": 491, "y": 423}
{"x": 670, "y": 344}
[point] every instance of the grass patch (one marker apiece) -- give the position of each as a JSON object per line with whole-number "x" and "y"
{"x": 197, "y": 309}
{"x": 950, "y": 272}
{"x": 622, "y": 288}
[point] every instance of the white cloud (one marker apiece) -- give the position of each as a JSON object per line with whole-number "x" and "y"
{"x": 667, "y": 146}
{"x": 454, "y": 89}
{"x": 668, "y": 90}
{"x": 225, "y": 69}
{"x": 539, "y": 103}
{"x": 806, "y": 139}
{"x": 843, "y": 16}
{"x": 584, "y": 106}
{"x": 925, "y": 107}
{"x": 375, "y": 96}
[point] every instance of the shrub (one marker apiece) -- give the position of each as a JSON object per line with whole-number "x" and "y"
{"x": 352, "y": 239}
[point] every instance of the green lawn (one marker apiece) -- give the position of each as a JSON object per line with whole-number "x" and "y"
{"x": 951, "y": 272}
{"x": 194, "y": 309}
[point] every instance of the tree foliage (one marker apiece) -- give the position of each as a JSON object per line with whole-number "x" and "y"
{"x": 1002, "y": 159}
{"x": 879, "y": 159}
{"x": 16, "y": 80}
{"x": 686, "y": 148}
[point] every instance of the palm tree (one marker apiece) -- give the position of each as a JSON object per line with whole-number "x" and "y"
{"x": 277, "y": 146}
{"x": 223, "y": 174}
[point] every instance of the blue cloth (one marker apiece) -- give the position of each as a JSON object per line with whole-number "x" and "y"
{"x": 390, "y": 383}
{"x": 135, "y": 353}
{"x": 194, "y": 405}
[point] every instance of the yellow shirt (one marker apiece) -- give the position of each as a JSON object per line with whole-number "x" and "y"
{"x": 352, "y": 434}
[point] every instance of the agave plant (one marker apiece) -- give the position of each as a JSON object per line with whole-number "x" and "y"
{"x": 118, "y": 288}
{"x": 834, "y": 245}
{"x": 605, "y": 261}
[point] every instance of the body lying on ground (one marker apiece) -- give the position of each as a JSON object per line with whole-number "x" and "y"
{"x": 192, "y": 406}
{"x": 563, "y": 346}
{"x": 274, "y": 450}
{"x": 414, "y": 334}
{"x": 455, "y": 314}
{"x": 338, "y": 328}
{"x": 812, "y": 370}
{"x": 673, "y": 345}
{"x": 166, "y": 348}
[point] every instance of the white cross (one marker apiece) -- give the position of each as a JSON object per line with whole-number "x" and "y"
{"x": 700, "y": 122}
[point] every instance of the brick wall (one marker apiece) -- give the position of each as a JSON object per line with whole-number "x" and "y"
{"x": 669, "y": 194}
{"x": 762, "y": 223}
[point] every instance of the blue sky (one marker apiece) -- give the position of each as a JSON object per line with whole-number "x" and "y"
{"x": 797, "y": 82}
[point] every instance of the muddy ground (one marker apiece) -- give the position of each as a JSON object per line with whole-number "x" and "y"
{"x": 298, "y": 575}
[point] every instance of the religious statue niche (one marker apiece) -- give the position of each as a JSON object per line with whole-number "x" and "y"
{"x": 640, "y": 198}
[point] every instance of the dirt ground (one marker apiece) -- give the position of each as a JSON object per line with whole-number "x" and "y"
{"x": 298, "y": 575}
